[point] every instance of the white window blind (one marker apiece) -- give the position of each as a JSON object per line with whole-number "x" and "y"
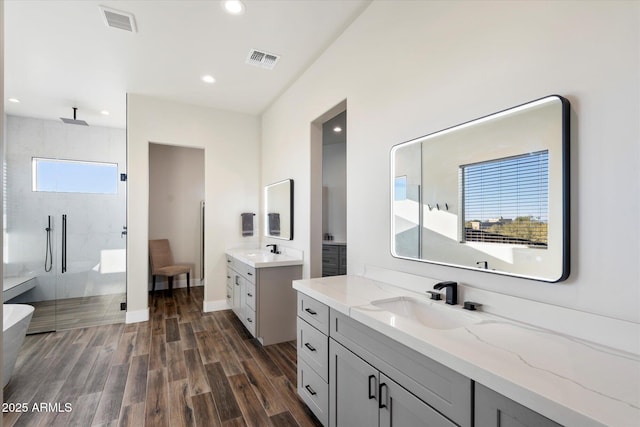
{"x": 507, "y": 200}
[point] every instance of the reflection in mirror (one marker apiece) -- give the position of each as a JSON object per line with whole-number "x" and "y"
{"x": 278, "y": 219}
{"x": 490, "y": 194}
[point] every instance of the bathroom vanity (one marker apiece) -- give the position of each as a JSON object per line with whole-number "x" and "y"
{"x": 372, "y": 353}
{"x": 259, "y": 292}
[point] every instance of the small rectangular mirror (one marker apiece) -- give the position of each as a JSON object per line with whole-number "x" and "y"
{"x": 490, "y": 195}
{"x": 278, "y": 218}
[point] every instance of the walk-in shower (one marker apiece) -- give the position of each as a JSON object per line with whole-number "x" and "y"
{"x": 65, "y": 209}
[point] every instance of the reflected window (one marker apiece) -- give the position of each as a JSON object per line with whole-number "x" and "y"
{"x": 400, "y": 190}
{"x": 507, "y": 200}
{"x": 74, "y": 176}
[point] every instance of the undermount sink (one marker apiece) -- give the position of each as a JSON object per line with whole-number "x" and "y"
{"x": 427, "y": 313}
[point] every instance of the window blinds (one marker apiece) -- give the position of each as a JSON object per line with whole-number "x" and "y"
{"x": 506, "y": 200}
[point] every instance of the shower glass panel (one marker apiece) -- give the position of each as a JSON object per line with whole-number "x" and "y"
{"x": 65, "y": 219}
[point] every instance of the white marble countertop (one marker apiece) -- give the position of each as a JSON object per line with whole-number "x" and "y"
{"x": 260, "y": 258}
{"x": 571, "y": 381}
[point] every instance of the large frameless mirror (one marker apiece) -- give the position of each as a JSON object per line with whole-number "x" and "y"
{"x": 278, "y": 218}
{"x": 491, "y": 194}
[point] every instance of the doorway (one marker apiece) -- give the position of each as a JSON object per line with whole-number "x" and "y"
{"x": 328, "y": 254}
{"x": 176, "y": 206}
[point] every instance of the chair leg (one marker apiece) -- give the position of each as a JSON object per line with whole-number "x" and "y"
{"x": 170, "y": 285}
{"x": 153, "y": 280}
{"x": 188, "y": 286}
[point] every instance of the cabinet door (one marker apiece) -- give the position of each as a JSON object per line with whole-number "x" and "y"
{"x": 494, "y": 409}
{"x": 399, "y": 408}
{"x": 353, "y": 389}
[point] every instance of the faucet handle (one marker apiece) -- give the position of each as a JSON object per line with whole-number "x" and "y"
{"x": 470, "y": 305}
{"x": 434, "y": 295}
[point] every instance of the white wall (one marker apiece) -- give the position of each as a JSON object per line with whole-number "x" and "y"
{"x": 334, "y": 183}
{"x": 411, "y": 68}
{"x": 231, "y": 180}
{"x": 176, "y": 188}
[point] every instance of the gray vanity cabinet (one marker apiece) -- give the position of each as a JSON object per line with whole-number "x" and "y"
{"x": 493, "y": 409}
{"x": 263, "y": 299}
{"x": 363, "y": 396}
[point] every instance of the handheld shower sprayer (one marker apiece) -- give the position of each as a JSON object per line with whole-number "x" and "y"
{"x": 48, "y": 257}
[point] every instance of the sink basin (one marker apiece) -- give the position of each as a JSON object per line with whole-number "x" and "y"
{"x": 262, "y": 258}
{"x": 427, "y": 313}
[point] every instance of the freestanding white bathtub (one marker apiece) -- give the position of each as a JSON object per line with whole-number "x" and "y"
{"x": 15, "y": 322}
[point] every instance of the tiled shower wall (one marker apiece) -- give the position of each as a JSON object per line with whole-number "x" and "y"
{"x": 94, "y": 221}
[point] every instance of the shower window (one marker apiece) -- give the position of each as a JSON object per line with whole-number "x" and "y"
{"x": 74, "y": 176}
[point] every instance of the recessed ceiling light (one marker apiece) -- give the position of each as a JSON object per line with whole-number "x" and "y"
{"x": 337, "y": 129}
{"x": 16, "y": 100}
{"x": 233, "y": 7}
{"x": 104, "y": 112}
{"x": 208, "y": 79}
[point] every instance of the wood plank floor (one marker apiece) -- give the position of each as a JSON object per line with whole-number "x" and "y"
{"x": 181, "y": 368}
{"x": 71, "y": 313}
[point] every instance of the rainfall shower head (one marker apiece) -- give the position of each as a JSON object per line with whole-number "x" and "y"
{"x": 74, "y": 121}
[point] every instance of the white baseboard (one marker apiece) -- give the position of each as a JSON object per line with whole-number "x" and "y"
{"x": 216, "y": 305}
{"x": 137, "y": 316}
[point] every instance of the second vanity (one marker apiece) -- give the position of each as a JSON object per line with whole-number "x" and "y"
{"x": 367, "y": 357}
{"x": 259, "y": 292}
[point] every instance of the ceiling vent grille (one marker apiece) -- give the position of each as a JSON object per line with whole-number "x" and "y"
{"x": 262, "y": 59}
{"x": 118, "y": 19}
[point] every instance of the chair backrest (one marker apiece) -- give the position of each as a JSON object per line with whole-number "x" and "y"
{"x": 160, "y": 254}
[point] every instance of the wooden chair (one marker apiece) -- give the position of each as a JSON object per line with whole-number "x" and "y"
{"x": 162, "y": 263}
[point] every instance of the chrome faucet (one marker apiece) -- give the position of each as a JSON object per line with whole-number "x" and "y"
{"x": 274, "y": 249}
{"x": 451, "y": 291}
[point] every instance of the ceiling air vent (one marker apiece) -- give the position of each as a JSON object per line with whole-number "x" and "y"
{"x": 118, "y": 19}
{"x": 262, "y": 59}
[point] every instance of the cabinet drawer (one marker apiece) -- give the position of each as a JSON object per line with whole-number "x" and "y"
{"x": 229, "y": 294}
{"x": 314, "y": 391}
{"x": 314, "y": 312}
{"x": 313, "y": 348}
{"x": 330, "y": 259}
{"x": 330, "y": 249}
{"x": 249, "y": 320}
{"x": 250, "y": 295}
{"x": 244, "y": 270}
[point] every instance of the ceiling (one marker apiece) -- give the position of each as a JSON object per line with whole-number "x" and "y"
{"x": 61, "y": 54}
